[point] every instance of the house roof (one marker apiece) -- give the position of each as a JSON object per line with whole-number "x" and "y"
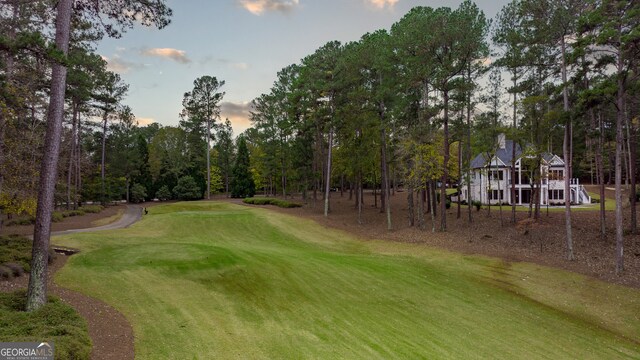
{"x": 504, "y": 155}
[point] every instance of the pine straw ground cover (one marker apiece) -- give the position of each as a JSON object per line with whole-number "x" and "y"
{"x": 56, "y": 322}
{"x": 217, "y": 280}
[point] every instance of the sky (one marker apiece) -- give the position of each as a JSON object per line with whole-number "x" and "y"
{"x": 243, "y": 42}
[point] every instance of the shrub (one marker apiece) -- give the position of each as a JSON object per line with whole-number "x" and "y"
{"x": 92, "y": 208}
{"x": 20, "y": 221}
{"x": 187, "y": 189}
{"x": 163, "y": 194}
{"x": 477, "y": 204}
{"x": 57, "y": 216}
{"x": 138, "y": 193}
{"x": 5, "y": 273}
{"x": 16, "y": 252}
{"x": 16, "y": 249}
{"x": 271, "y": 201}
{"x": 447, "y": 204}
{"x": 16, "y": 269}
{"x": 69, "y": 213}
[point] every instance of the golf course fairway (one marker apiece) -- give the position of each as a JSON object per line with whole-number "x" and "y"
{"x": 214, "y": 280}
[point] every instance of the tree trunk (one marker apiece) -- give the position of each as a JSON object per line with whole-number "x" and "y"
{"x": 513, "y": 149}
{"x": 328, "y": 175}
{"x": 426, "y": 197}
{"x": 421, "y": 223}
{"x": 567, "y": 156}
{"x": 500, "y": 198}
{"x": 600, "y": 165}
{"x": 385, "y": 172}
{"x": 410, "y": 204}
{"x": 632, "y": 174}
{"x": 72, "y": 150}
{"x": 103, "y": 158}
{"x": 78, "y": 181}
{"x": 359, "y": 197}
{"x": 459, "y": 187}
{"x": 432, "y": 185}
{"x": 619, "y": 141}
{"x": 208, "y": 159}
{"x": 37, "y": 290}
{"x": 445, "y": 164}
{"x": 468, "y": 153}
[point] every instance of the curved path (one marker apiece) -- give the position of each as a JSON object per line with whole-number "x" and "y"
{"x": 132, "y": 214}
{"x": 110, "y": 332}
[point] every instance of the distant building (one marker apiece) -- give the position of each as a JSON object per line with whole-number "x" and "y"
{"x": 491, "y": 179}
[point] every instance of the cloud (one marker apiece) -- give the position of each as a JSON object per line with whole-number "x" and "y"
{"x": 258, "y": 7}
{"x": 145, "y": 121}
{"x": 238, "y": 114}
{"x": 381, "y": 4}
{"x": 169, "y": 53}
{"x": 239, "y": 66}
{"x": 231, "y": 64}
{"x": 119, "y": 65}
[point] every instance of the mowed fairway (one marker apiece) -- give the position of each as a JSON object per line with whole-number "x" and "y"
{"x": 211, "y": 280}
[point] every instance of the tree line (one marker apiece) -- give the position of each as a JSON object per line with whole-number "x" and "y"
{"x": 410, "y": 106}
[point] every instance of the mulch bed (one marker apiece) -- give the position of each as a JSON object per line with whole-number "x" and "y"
{"x": 110, "y": 332}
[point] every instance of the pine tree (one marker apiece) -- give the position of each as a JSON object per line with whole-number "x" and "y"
{"x": 242, "y": 184}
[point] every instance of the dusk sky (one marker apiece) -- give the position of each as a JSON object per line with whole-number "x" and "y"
{"x": 243, "y": 42}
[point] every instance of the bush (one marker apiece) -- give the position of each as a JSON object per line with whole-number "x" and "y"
{"x": 92, "y": 208}
{"x": 187, "y": 189}
{"x": 69, "y": 213}
{"x": 16, "y": 269}
{"x": 57, "y": 216}
{"x": 5, "y": 273}
{"x": 137, "y": 194}
{"x": 163, "y": 194}
{"x": 270, "y": 201}
{"x": 477, "y": 204}
{"x": 16, "y": 252}
{"x": 20, "y": 221}
{"x": 447, "y": 204}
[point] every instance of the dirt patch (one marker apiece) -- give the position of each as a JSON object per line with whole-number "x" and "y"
{"x": 542, "y": 242}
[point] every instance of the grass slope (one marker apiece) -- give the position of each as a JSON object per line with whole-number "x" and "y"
{"x": 215, "y": 280}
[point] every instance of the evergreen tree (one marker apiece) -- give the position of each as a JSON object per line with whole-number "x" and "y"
{"x": 242, "y": 184}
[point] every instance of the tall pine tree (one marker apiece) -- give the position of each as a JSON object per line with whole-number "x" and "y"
{"x": 242, "y": 184}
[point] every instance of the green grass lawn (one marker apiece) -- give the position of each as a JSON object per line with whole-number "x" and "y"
{"x": 210, "y": 280}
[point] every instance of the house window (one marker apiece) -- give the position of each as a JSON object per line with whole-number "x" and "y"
{"x": 556, "y": 194}
{"x": 556, "y": 174}
{"x": 495, "y": 194}
{"x": 496, "y": 174}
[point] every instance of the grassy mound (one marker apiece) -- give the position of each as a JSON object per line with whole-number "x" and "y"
{"x": 271, "y": 201}
{"x": 55, "y": 322}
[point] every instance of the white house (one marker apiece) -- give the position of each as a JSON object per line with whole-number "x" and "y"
{"x": 491, "y": 180}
